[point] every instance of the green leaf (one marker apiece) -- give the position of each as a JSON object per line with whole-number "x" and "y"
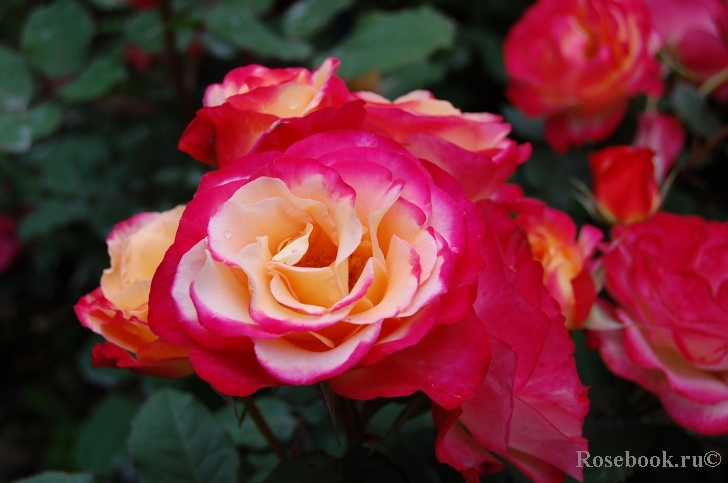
{"x": 109, "y": 4}
{"x": 96, "y": 80}
{"x": 146, "y": 30}
{"x": 305, "y": 18}
{"x": 237, "y": 25}
{"x": 174, "y": 439}
{"x": 16, "y": 81}
{"x": 275, "y": 411}
{"x": 15, "y": 133}
{"x": 68, "y": 163}
{"x": 259, "y": 7}
{"x": 58, "y": 477}
{"x": 44, "y": 120}
{"x": 48, "y": 216}
{"x": 56, "y": 37}
{"x": 314, "y": 466}
{"x": 101, "y": 444}
{"x": 410, "y": 78}
{"x": 389, "y": 41}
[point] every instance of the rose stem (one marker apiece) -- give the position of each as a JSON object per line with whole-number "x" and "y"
{"x": 264, "y": 429}
{"x": 174, "y": 60}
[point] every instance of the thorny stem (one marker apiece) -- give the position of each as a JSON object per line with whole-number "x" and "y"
{"x": 264, "y": 429}
{"x": 174, "y": 60}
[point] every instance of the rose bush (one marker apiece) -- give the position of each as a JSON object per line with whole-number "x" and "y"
{"x": 340, "y": 258}
{"x": 117, "y": 310}
{"x": 668, "y": 277}
{"x": 531, "y": 406}
{"x": 253, "y": 99}
{"x": 578, "y": 62}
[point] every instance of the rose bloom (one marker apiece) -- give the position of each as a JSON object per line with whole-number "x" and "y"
{"x": 531, "y": 406}
{"x": 624, "y": 184}
{"x": 695, "y": 33}
{"x": 253, "y": 99}
{"x": 118, "y": 308}
{"x": 437, "y": 131}
{"x": 567, "y": 260}
{"x": 668, "y": 277}
{"x": 577, "y": 63}
{"x": 339, "y": 258}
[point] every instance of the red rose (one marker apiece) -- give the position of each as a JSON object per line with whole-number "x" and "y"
{"x": 577, "y": 63}
{"x": 669, "y": 278}
{"x": 624, "y": 184}
{"x": 695, "y": 33}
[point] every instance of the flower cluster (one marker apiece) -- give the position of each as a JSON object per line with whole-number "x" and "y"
{"x": 366, "y": 244}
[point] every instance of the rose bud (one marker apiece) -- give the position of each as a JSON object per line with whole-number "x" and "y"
{"x": 624, "y": 184}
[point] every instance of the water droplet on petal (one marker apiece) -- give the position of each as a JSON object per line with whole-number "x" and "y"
{"x": 293, "y": 104}
{"x": 226, "y": 234}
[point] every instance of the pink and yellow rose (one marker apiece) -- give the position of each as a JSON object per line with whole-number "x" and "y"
{"x": 567, "y": 259}
{"x": 669, "y": 278}
{"x": 578, "y": 62}
{"x": 253, "y": 99}
{"x": 117, "y": 310}
{"x": 343, "y": 259}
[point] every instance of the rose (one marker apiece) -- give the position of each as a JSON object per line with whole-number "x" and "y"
{"x": 567, "y": 261}
{"x": 624, "y": 184}
{"x": 118, "y": 308}
{"x": 695, "y": 33}
{"x": 531, "y": 406}
{"x": 668, "y": 277}
{"x": 664, "y": 135}
{"x": 435, "y": 130}
{"x": 344, "y": 259}
{"x": 577, "y": 63}
{"x": 9, "y": 243}
{"x": 253, "y": 99}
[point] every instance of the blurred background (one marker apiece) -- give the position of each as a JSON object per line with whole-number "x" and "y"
{"x": 94, "y": 95}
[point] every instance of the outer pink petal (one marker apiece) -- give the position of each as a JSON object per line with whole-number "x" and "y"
{"x": 289, "y": 131}
{"x": 235, "y": 372}
{"x": 479, "y": 174}
{"x": 448, "y": 365}
{"x": 295, "y": 365}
